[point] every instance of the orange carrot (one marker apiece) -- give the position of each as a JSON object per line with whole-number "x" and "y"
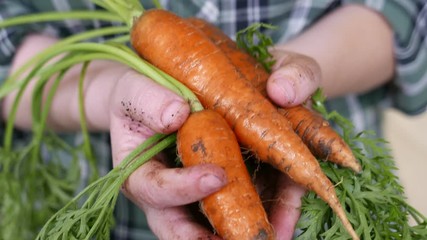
{"x": 235, "y": 211}
{"x": 184, "y": 52}
{"x": 320, "y": 137}
{"x": 255, "y": 74}
{"x": 315, "y": 132}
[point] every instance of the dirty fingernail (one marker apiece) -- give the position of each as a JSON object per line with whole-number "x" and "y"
{"x": 170, "y": 112}
{"x": 210, "y": 183}
{"x": 289, "y": 91}
{"x": 282, "y": 90}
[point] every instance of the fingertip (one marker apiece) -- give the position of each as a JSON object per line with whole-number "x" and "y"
{"x": 174, "y": 115}
{"x": 139, "y": 100}
{"x": 294, "y": 79}
{"x": 157, "y": 186}
{"x": 212, "y": 180}
{"x": 281, "y": 90}
{"x": 291, "y": 85}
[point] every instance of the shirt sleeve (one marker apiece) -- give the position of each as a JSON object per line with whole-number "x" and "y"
{"x": 408, "y": 19}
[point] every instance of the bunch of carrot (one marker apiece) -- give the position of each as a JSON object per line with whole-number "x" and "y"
{"x": 315, "y": 132}
{"x": 232, "y": 87}
{"x": 180, "y": 48}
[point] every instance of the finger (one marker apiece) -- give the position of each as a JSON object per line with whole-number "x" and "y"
{"x": 139, "y": 108}
{"x": 294, "y": 78}
{"x": 155, "y": 186}
{"x": 176, "y": 223}
{"x": 285, "y": 211}
{"x": 139, "y": 101}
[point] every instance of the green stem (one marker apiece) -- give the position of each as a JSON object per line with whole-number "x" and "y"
{"x": 154, "y": 150}
{"x": 107, "y": 204}
{"x": 92, "y": 187}
{"x": 83, "y": 125}
{"x": 146, "y": 144}
{"x": 93, "y": 197}
{"x": 109, "y": 196}
{"x": 190, "y": 96}
{"x": 120, "y": 39}
{"x": 157, "y": 4}
{"x": 127, "y": 10}
{"x": 59, "y": 16}
{"x": 105, "y": 197}
{"x": 12, "y": 115}
{"x": 21, "y": 85}
{"x": 10, "y": 83}
{"x": 44, "y": 76}
{"x": 131, "y": 59}
{"x": 118, "y": 54}
{"x": 39, "y": 119}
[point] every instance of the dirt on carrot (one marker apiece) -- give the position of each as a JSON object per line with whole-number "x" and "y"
{"x": 315, "y": 132}
{"x": 235, "y": 211}
{"x": 175, "y": 46}
{"x": 320, "y": 137}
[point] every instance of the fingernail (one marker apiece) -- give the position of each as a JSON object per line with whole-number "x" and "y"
{"x": 210, "y": 183}
{"x": 170, "y": 112}
{"x": 285, "y": 88}
{"x": 289, "y": 91}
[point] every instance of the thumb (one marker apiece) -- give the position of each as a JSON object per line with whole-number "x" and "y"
{"x": 139, "y": 108}
{"x": 295, "y": 77}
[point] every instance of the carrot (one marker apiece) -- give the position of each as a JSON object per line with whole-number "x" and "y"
{"x": 184, "y": 52}
{"x": 320, "y": 137}
{"x": 315, "y": 132}
{"x": 235, "y": 211}
{"x": 255, "y": 74}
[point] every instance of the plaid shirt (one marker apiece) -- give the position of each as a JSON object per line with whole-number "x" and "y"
{"x": 407, "y": 92}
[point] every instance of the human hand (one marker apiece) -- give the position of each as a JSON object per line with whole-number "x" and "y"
{"x": 139, "y": 109}
{"x": 293, "y": 79}
{"x": 283, "y": 200}
{"x": 282, "y": 196}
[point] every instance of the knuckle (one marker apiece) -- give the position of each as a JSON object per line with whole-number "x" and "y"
{"x": 147, "y": 189}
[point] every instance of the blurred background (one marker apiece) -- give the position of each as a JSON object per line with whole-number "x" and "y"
{"x": 409, "y": 148}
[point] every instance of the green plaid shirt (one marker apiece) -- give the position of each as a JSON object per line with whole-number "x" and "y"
{"x": 407, "y": 92}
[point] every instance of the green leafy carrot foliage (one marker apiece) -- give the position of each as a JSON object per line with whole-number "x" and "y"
{"x": 253, "y": 41}
{"x": 375, "y": 199}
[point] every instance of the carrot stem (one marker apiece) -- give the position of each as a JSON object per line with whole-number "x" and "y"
{"x": 110, "y": 52}
{"x": 87, "y": 147}
{"x": 157, "y": 4}
{"x": 127, "y": 10}
{"x": 8, "y": 85}
{"x": 58, "y": 16}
